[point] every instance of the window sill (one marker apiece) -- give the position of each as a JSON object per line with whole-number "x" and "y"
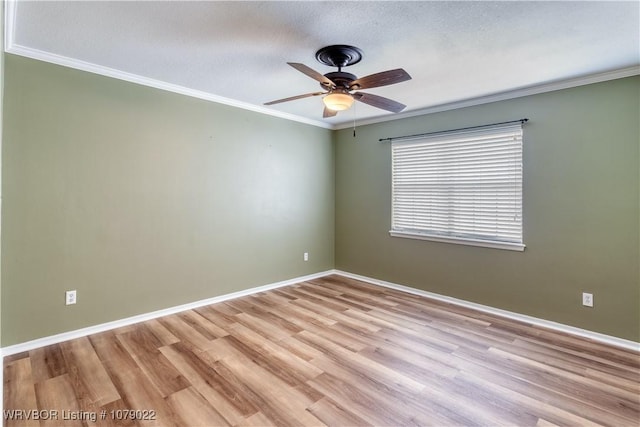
{"x": 460, "y": 241}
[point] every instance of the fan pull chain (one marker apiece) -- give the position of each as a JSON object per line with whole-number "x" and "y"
{"x": 354, "y": 119}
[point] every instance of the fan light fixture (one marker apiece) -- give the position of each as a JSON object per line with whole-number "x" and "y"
{"x": 338, "y": 87}
{"x": 338, "y": 101}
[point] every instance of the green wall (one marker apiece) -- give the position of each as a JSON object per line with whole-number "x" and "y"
{"x": 581, "y": 211}
{"x": 143, "y": 199}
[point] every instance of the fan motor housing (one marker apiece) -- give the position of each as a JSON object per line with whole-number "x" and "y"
{"x": 340, "y": 79}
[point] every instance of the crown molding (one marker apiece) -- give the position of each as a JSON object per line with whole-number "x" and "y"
{"x": 10, "y": 46}
{"x": 502, "y": 96}
{"x": 9, "y": 22}
{"x": 14, "y": 48}
{"x": 157, "y": 84}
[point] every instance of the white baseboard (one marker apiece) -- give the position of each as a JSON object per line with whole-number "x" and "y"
{"x": 65, "y": 336}
{"x": 595, "y": 336}
{"x": 41, "y": 342}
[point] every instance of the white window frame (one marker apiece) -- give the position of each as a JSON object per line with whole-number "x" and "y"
{"x": 426, "y": 168}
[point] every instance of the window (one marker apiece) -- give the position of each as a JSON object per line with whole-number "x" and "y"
{"x": 460, "y": 187}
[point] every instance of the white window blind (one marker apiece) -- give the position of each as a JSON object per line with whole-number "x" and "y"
{"x": 464, "y": 187}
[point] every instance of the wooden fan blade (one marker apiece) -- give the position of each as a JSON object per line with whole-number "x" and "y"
{"x": 293, "y": 98}
{"x": 328, "y": 113}
{"x": 384, "y": 78}
{"x": 312, "y": 73}
{"x": 379, "y": 102}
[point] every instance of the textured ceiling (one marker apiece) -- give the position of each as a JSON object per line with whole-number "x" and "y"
{"x": 238, "y": 50}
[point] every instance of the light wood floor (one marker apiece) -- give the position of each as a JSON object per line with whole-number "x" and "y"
{"x": 332, "y": 351}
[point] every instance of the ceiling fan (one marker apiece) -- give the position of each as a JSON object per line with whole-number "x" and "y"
{"x": 339, "y": 86}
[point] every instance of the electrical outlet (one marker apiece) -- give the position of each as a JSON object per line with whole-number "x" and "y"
{"x": 306, "y": 256}
{"x": 587, "y": 299}
{"x": 70, "y": 297}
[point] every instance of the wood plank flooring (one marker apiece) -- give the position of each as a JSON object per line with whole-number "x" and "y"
{"x": 332, "y": 351}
